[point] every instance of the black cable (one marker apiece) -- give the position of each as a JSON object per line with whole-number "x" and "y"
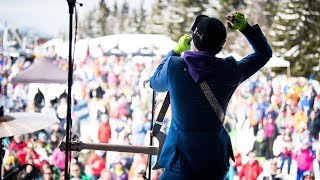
{"x": 75, "y": 32}
{"x": 17, "y": 170}
{"x": 148, "y": 166}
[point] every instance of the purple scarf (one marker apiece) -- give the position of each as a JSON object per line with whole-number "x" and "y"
{"x": 200, "y": 64}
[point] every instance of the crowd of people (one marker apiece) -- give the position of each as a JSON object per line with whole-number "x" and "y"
{"x": 273, "y": 121}
{"x": 117, "y": 110}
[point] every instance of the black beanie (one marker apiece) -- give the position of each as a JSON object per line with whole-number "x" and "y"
{"x": 209, "y": 35}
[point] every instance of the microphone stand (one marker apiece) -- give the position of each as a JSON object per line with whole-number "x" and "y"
{"x": 1, "y": 156}
{"x": 71, "y": 4}
{"x": 151, "y": 142}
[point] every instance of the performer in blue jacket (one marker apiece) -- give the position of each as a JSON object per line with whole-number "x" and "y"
{"x": 197, "y": 145}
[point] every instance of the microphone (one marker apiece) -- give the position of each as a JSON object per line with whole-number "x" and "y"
{"x": 80, "y": 4}
{"x": 16, "y": 171}
{"x": 71, "y": 1}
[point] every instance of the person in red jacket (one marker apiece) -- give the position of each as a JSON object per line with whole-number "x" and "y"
{"x": 18, "y": 148}
{"x": 17, "y": 144}
{"x": 97, "y": 163}
{"x": 252, "y": 169}
{"x": 238, "y": 163}
{"x": 104, "y": 131}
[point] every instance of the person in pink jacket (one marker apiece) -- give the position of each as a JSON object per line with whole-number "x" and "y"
{"x": 58, "y": 158}
{"x": 304, "y": 158}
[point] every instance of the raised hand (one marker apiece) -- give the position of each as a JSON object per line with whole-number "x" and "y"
{"x": 183, "y": 44}
{"x": 236, "y": 21}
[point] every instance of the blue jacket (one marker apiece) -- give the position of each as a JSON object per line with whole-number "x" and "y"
{"x": 196, "y": 141}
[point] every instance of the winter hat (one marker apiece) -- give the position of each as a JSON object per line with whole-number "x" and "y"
{"x": 209, "y": 34}
{"x": 8, "y": 159}
{"x": 42, "y": 135}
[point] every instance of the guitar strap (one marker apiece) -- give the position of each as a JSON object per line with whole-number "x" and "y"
{"x": 217, "y": 108}
{"x": 159, "y": 121}
{"x": 210, "y": 97}
{"x": 212, "y": 100}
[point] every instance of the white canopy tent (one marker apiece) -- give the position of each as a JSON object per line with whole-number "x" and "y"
{"x": 128, "y": 43}
{"x": 278, "y": 62}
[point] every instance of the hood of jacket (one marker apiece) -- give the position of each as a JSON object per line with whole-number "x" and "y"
{"x": 200, "y": 64}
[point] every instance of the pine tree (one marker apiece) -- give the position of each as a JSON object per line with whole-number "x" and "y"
{"x": 142, "y": 18}
{"x": 257, "y": 12}
{"x": 103, "y": 13}
{"x": 219, "y": 9}
{"x": 181, "y": 15}
{"x": 138, "y": 20}
{"x": 87, "y": 27}
{"x": 157, "y": 23}
{"x": 270, "y": 9}
{"x": 115, "y": 11}
{"x": 194, "y": 8}
{"x": 125, "y": 8}
{"x": 226, "y": 7}
{"x": 177, "y": 16}
{"x": 296, "y": 35}
{"x": 123, "y": 17}
{"x": 114, "y": 19}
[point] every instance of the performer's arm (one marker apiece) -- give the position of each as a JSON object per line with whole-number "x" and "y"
{"x": 158, "y": 81}
{"x": 262, "y": 50}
